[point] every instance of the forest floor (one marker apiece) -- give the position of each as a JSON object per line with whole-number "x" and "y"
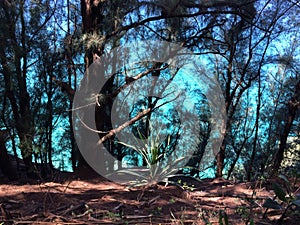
{"x": 98, "y": 201}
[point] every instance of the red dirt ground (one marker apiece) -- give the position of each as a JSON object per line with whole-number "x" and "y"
{"x": 97, "y": 201}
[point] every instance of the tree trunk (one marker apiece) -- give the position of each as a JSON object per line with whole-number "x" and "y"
{"x": 250, "y": 166}
{"x": 228, "y": 103}
{"x": 220, "y": 160}
{"x": 5, "y": 164}
{"x": 19, "y": 97}
{"x": 22, "y": 116}
{"x": 293, "y": 107}
{"x": 238, "y": 153}
{"x": 91, "y": 19}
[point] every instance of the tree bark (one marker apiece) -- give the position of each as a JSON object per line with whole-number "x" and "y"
{"x": 250, "y": 166}
{"x": 5, "y": 164}
{"x": 293, "y": 106}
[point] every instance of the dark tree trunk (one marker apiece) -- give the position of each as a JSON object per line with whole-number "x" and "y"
{"x": 220, "y": 161}
{"x": 91, "y": 21}
{"x": 21, "y": 114}
{"x": 5, "y": 164}
{"x": 79, "y": 165}
{"x": 251, "y": 162}
{"x": 293, "y": 106}
{"x": 24, "y": 128}
{"x": 19, "y": 97}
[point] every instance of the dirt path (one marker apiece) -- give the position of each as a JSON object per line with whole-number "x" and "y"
{"x": 101, "y": 202}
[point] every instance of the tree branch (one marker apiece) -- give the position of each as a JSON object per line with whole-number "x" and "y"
{"x": 140, "y": 115}
{"x": 126, "y": 124}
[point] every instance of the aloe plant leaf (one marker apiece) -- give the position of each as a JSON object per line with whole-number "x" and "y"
{"x": 128, "y": 145}
{"x": 279, "y": 192}
{"x": 296, "y": 202}
{"x": 284, "y": 178}
{"x": 137, "y": 174}
{"x": 271, "y": 204}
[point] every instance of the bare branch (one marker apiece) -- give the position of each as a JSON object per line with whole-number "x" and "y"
{"x": 124, "y": 125}
{"x": 140, "y": 115}
{"x": 91, "y": 129}
{"x": 140, "y": 75}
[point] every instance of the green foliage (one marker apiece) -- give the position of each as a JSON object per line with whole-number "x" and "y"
{"x": 184, "y": 185}
{"x": 285, "y": 195}
{"x": 172, "y": 200}
{"x": 113, "y": 216}
{"x": 291, "y": 162}
{"x": 251, "y": 222}
{"x": 244, "y": 212}
{"x": 223, "y": 218}
{"x": 221, "y": 215}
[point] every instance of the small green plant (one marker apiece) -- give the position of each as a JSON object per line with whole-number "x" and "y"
{"x": 223, "y": 218}
{"x": 243, "y": 211}
{"x": 172, "y": 200}
{"x": 251, "y": 222}
{"x": 157, "y": 211}
{"x": 246, "y": 214}
{"x": 285, "y": 195}
{"x": 113, "y": 216}
{"x": 184, "y": 185}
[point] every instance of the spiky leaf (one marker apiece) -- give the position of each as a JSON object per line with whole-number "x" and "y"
{"x": 284, "y": 178}
{"x": 296, "y": 202}
{"x": 271, "y": 204}
{"x": 279, "y": 192}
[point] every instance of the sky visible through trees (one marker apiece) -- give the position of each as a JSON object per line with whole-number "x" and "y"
{"x": 250, "y": 47}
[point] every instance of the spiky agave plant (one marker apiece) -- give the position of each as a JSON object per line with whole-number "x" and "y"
{"x": 153, "y": 152}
